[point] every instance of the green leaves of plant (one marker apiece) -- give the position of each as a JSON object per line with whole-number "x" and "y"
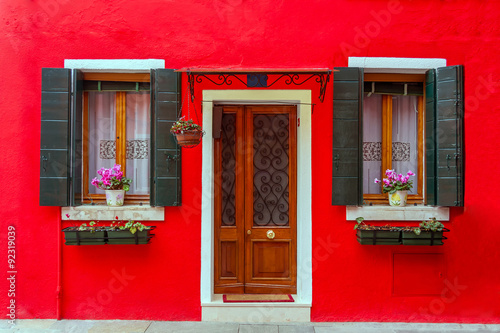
{"x": 432, "y": 225}
{"x": 359, "y": 221}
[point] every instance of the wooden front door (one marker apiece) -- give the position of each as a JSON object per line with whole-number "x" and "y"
{"x": 255, "y": 200}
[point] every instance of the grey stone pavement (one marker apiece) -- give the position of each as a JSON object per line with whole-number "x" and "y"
{"x": 143, "y": 326}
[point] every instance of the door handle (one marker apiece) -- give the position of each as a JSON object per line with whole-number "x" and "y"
{"x": 270, "y": 234}
{"x": 249, "y": 232}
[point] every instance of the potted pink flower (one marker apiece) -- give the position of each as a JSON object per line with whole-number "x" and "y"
{"x": 113, "y": 183}
{"x": 397, "y": 185}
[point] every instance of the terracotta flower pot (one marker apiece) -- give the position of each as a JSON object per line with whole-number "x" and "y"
{"x": 189, "y": 138}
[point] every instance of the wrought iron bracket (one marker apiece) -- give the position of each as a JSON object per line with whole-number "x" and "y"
{"x": 289, "y": 78}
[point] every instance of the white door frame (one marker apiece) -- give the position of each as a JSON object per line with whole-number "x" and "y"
{"x": 301, "y": 98}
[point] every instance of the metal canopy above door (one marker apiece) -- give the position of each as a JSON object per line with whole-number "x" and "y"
{"x": 259, "y": 78}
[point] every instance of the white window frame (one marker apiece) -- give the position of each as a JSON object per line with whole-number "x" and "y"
{"x": 408, "y": 213}
{"x": 101, "y": 212}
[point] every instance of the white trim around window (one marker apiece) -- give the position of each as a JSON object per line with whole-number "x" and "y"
{"x": 396, "y": 65}
{"x": 114, "y": 65}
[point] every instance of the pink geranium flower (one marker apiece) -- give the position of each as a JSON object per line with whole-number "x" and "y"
{"x": 396, "y": 182}
{"x": 111, "y": 179}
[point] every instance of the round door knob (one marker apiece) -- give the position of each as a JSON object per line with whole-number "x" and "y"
{"x": 270, "y": 234}
{"x": 249, "y": 232}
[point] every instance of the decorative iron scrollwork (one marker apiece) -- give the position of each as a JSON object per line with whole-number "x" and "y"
{"x": 271, "y": 178}
{"x": 292, "y": 78}
{"x": 228, "y": 177}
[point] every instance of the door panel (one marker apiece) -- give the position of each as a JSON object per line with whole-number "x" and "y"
{"x": 255, "y": 199}
{"x": 229, "y": 255}
{"x": 270, "y": 259}
{"x": 229, "y": 205}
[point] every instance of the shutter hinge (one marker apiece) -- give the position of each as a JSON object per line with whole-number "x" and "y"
{"x": 457, "y": 203}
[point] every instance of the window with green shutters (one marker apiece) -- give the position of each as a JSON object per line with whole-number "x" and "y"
{"x": 65, "y": 134}
{"x": 443, "y": 141}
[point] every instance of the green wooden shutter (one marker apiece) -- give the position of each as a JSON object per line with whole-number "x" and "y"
{"x": 347, "y": 184}
{"x": 446, "y": 143}
{"x": 76, "y": 139}
{"x": 55, "y": 140}
{"x": 430, "y": 137}
{"x": 166, "y": 154}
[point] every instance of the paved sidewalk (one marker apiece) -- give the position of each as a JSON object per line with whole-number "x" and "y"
{"x": 142, "y": 326}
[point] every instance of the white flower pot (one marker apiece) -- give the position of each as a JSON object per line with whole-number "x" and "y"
{"x": 115, "y": 197}
{"x": 398, "y": 198}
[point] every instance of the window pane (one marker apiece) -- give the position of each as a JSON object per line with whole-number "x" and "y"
{"x": 138, "y": 143}
{"x": 372, "y": 143}
{"x": 102, "y": 129}
{"x": 405, "y": 136}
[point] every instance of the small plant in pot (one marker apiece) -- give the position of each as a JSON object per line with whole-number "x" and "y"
{"x": 113, "y": 183}
{"x": 187, "y": 133}
{"x": 119, "y": 233}
{"x": 91, "y": 234}
{"x": 427, "y": 233}
{"x": 397, "y": 185}
{"x": 376, "y": 235}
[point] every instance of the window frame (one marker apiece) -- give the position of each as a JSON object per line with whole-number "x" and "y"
{"x": 120, "y": 134}
{"x": 387, "y": 135}
{"x": 61, "y": 131}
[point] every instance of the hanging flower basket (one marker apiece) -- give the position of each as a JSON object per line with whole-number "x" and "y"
{"x": 187, "y": 133}
{"x": 189, "y": 139}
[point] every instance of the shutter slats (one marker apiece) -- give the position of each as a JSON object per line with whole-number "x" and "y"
{"x": 54, "y": 141}
{"x": 444, "y": 137}
{"x": 430, "y": 137}
{"x": 77, "y": 139}
{"x": 166, "y": 175}
{"x": 449, "y": 133}
{"x": 347, "y": 137}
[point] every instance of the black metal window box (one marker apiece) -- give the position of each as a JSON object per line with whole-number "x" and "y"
{"x": 101, "y": 237}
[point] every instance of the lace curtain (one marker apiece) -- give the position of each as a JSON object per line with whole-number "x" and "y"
{"x": 102, "y": 134}
{"x": 404, "y": 139}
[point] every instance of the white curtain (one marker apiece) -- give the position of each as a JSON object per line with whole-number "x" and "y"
{"x": 102, "y": 137}
{"x": 372, "y": 143}
{"x": 404, "y": 136}
{"x": 138, "y": 142}
{"x": 102, "y": 129}
{"x": 404, "y": 139}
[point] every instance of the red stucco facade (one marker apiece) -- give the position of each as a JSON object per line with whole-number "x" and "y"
{"x": 161, "y": 281}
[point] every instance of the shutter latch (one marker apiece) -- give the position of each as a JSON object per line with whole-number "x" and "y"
{"x": 336, "y": 160}
{"x": 44, "y": 158}
{"x": 169, "y": 158}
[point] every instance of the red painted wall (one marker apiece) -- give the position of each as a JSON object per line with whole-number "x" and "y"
{"x": 161, "y": 281}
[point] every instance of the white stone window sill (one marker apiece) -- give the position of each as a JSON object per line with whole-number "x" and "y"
{"x": 105, "y": 213}
{"x": 390, "y": 213}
